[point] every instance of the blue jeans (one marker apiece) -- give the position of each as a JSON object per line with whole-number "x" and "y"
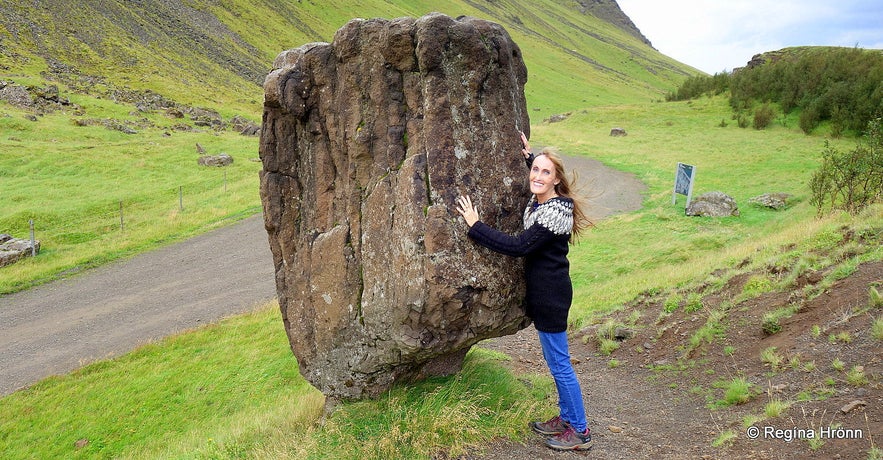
{"x": 570, "y": 396}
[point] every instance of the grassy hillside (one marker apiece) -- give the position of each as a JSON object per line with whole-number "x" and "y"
{"x": 216, "y": 54}
{"x": 140, "y": 77}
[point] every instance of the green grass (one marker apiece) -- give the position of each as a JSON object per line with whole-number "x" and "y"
{"x": 185, "y": 388}
{"x": 568, "y": 62}
{"x": 449, "y": 415}
{"x": 72, "y": 182}
{"x": 740, "y": 162}
{"x": 775, "y": 408}
{"x": 877, "y": 328}
{"x": 736, "y": 391}
{"x": 232, "y": 389}
{"x": 771, "y": 356}
{"x": 725, "y": 438}
{"x": 856, "y": 376}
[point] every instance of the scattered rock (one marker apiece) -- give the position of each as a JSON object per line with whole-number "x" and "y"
{"x": 618, "y": 132}
{"x": 713, "y": 204}
{"x": 244, "y": 126}
{"x": 614, "y": 429}
{"x": 17, "y": 96}
{"x": 367, "y": 142}
{"x": 852, "y": 405}
{"x": 12, "y": 249}
{"x": 558, "y": 117}
{"x": 623, "y": 333}
{"x": 81, "y": 443}
{"x": 215, "y": 160}
{"x": 775, "y": 201}
{"x": 779, "y": 387}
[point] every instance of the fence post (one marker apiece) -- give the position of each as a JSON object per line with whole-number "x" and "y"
{"x": 33, "y": 241}
{"x": 181, "y": 197}
{"x": 122, "y": 225}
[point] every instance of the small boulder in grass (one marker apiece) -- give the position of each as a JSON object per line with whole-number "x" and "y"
{"x": 713, "y": 204}
{"x": 215, "y": 160}
{"x": 775, "y": 201}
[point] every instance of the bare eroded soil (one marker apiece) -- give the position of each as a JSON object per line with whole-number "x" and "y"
{"x": 659, "y": 401}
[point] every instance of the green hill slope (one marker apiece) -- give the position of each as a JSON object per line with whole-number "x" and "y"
{"x": 215, "y": 54}
{"x": 124, "y": 90}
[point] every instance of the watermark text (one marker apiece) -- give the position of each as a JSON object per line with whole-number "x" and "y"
{"x": 794, "y": 433}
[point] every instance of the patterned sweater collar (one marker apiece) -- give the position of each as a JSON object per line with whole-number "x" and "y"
{"x": 556, "y": 215}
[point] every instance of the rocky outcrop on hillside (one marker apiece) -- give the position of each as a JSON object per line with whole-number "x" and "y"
{"x": 366, "y": 142}
{"x": 610, "y": 11}
{"x": 39, "y": 99}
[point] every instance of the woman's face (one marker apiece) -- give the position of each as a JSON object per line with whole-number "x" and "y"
{"x": 543, "y": 178}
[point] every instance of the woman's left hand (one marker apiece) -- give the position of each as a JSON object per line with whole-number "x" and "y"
{"x": 467, "y": 210}
{"x": 525, "y": 146}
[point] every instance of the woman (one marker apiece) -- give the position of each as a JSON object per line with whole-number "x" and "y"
{"x": 551, "y": 220}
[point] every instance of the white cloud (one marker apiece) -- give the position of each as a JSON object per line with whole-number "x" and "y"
{"x": 720, "y": 35}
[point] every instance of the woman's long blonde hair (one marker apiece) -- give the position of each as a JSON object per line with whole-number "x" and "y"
{"x": 565, "y": 188}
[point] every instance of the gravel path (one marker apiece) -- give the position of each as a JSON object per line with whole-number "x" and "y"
{"x": 59, "y": 327}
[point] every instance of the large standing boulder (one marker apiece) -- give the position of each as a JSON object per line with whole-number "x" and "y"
{"x": 366, "y": 142}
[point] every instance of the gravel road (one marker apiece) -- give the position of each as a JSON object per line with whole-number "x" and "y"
{"x": 61, "y": 326}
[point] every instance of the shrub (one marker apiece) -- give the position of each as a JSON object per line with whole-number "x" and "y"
{"x": 771, "y": 324}
{"x": 809, "y": 119}
{"x": 699, "y": 85}
{"x": 850, "y": 180}
{"x": 763, "y": 116}
{"x": 823, "y": 83}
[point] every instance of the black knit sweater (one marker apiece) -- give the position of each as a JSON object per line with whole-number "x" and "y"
{"x": 544, "y": 246}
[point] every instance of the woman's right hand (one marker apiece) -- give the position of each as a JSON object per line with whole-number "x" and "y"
{"x": 467, "y": 210}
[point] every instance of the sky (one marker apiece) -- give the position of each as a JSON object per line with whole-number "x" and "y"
{"x": 720, "y": 35}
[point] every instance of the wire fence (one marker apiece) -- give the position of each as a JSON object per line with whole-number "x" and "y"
{"x": 115, "y": 216}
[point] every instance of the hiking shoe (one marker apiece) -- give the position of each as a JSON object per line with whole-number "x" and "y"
{"x": 550, "y": 427}
{"x": 571, "y": 440}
